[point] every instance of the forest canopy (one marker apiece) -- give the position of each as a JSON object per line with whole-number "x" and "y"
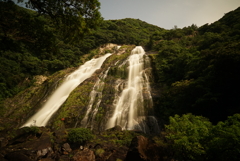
{"x": 73, "y": 18}
{"x": 198, "y": 69}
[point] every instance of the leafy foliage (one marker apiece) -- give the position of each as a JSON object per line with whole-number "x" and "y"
{"x": 74, "y": 18}
{"x": 198, "y": 69}
{"x": 195, "y": 138}
{"x": 32, "y": 130}
{"x": 225, "y": 140}
{"x": 31, "y": 44}
{"x": 80, "y": 135}
{"x": 119, "y": 138}
{"x": 188, "y": 134}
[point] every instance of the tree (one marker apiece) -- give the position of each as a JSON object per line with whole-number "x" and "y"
{"x": 225, "y": 140}
{"x": 74, "y": 18}
{"x": 188, "y": 136}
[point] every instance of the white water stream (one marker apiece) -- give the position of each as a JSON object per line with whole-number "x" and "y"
{"x": 95, "y": 97}
{"x": 85, "y": 71}
{"x": 129, "y": 106}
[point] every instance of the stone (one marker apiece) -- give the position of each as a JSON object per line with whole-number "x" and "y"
{"x": 66, "y": 148}
{"x": 44, "y": 152}
{"x": 144, "y": 149}
{"x": 85, "y": 155}
{"x": 116, "y": 128}
{"x": 137, "y": 149}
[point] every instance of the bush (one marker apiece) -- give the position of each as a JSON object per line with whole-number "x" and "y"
{"x": 99, "y": 152}
{"x": 189, "y": 136}
{"x": 80, "y": 135}
{"x": 32, "y": 130}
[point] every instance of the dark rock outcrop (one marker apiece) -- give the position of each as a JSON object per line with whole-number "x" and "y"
{"x": 143, "y": 149}
{"x": 137, "y": 149}
{"x": 85, "y": 155}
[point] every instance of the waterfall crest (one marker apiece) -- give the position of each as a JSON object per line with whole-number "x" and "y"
{"x": 85, "y": 71}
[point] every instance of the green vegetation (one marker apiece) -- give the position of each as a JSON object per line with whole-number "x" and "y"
{"x": 195, "y": 138}
{"x": 31, "y": 44}
{"x": 125, "y": 31}
{"x": 80, "y": 135}
{"x": 32, "y": 130}
{"x": 198, "y": 69}
{"x": 72, "y": 111}
{"x": 99, "y": 152}
{"x": 119, "y": 138}
{"x": 73, "y": 18}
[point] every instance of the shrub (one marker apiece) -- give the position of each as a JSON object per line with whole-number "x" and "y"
{"x": 80, "y": 135}
{"x": 32, "y": 130}
{"x": 99, "y": 152}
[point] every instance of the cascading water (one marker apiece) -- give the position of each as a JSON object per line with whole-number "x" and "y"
{"x": 129, "y": 110}
{"x": 95, "y": 97}
{"x": 42, "y": 117}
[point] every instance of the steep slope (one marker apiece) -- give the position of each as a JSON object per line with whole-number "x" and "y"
{"x": 198, "y": 69}
{"x": 30, "y": 45}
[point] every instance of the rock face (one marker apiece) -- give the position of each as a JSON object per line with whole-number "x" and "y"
{"x": 137, "y": 149}
{"x": 85, "y": 155}
{"x": 111, "y": 145}
{"x": 66, "y": 148}
{"x": 143, "y": 149}
{"x": 51, "y": 143}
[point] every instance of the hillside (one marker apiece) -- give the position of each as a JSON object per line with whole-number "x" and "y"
{"x": 198, "y": 69}
{"x": 31, "y": 45}
{"x": 187, "y": 85}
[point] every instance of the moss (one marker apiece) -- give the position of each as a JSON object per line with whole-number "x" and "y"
{"x": 80, "y": 135}
{"x": 100, "y": 114}
{"x": 108, "y": 51}
{"x": 118, "y": 138}
{"x": 72, "y": 109}
{"x": 99, "y": 152}
{"x": 118, "y": 159}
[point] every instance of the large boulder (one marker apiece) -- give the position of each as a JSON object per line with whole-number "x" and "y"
{"x": 144, "y": 149}
{"x": 85, "y": 155}
{"x": 137, "y": 149}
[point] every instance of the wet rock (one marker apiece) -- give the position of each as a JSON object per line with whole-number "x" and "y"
{"x": 137, "y": 149}
{"x": 39, "y": 79}
{"x": 60, "y": 135}
{"x": 119, "y": 154}
{"x": 66, "y": 149}
{"x": 144, "y": 149}
{"x": 116, "y": 128}
{"x": 85, "y": 155}
{"x": 44, "y": 152}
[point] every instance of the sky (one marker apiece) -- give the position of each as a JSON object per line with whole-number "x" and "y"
{"x": 168, "y": 13}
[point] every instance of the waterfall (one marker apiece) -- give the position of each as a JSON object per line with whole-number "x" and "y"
{"x": 129, "y": 110}
{"x": 85, "y": 71}
{"x": 95, "y": 97}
